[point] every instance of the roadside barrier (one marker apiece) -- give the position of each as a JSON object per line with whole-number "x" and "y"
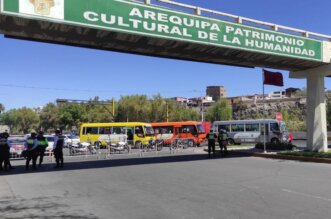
{"x": 107, "y": 150}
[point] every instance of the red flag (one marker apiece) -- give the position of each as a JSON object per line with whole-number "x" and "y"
{"x": 273, "y": 78}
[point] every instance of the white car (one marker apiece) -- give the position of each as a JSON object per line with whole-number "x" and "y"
{"x": 71, "y": 140}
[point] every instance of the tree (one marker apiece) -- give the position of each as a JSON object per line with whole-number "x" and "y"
{"x": 22, "y": 120}
{"x": 72, "y": 115}
{"x": 49, "y": 117}
{"x": 9, "y": 119}
{"x": 221, "y": 110}
{"x": 180, "y": 113}
{"x": 133, "y": 108}
{"x": 99, "y": 112}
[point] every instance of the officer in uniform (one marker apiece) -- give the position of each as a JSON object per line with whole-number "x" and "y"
{"x": 42, "y": 145}
{"x": 211, "y": 143}
{"x": 31, "y": 150}
{"x": 58, "y": 148}
{"x": 5, "y": 152}
{"x": 223, "y": 141}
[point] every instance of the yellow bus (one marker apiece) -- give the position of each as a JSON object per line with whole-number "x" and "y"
{"x": 135, "y": 133}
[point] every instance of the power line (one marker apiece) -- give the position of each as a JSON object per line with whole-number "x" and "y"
{"x": 52, "y": 88}
{"x": 87, "y": 90}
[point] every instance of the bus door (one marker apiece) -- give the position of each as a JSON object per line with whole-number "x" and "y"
{"x": 189, "y": 132}
{"x": 177, "y": 132}
{"x": 264, "y": 132}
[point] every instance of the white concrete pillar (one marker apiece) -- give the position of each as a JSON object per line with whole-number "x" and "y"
{"x": 316, "y": 114}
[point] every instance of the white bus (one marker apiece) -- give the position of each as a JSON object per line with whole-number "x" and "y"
{"x": 252, "y": 131}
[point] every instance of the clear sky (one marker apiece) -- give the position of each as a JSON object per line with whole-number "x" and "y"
{"x": 33, "y": 74}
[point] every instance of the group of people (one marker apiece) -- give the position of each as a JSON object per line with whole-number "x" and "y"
{"x": 222, "y": 138}
{"x": 35, "y": 146}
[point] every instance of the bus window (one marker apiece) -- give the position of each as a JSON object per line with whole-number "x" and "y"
{"x": 138, "y": 130}
{"x": 129, "y": 131}
{"x": 266, "y": 129}
{"x": 238, "y": 128}
{"x": 149, "y": 131}
{"x": 105, "y": 130}
{"x": 84, "y": 131}
{"x": 274, "y": 127}
{"x": 189, "y": 129}
{"x": 252, "y": 127}
{"x": 224, "y": 127}
{"x": 118, "y": 130}
{"x": 92, "y": 130}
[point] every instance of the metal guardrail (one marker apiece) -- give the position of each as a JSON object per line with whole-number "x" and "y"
{"x": 240, "y": 20}
{"x": 139, "y": 148}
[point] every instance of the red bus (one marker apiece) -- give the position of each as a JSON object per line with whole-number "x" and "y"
{"x": 169, "y": 132}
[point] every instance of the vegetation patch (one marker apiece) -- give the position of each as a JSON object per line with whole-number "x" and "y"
{"x": 306, "y": 154}
{"x": 276, "y": 147}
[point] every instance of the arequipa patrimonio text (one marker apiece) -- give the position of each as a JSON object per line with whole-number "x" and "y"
{"x": 163, "y": 23}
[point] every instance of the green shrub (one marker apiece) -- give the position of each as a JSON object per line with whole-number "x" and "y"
{"x": 276, "y": 147}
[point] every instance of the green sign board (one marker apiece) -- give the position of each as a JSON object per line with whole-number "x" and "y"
{"x": 137, "y": 18}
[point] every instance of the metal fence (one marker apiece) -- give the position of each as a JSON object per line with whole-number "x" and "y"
{"x": 118, "y": 149}
{"x": 135, "y": 148}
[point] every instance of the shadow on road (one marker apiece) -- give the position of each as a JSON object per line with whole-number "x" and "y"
{"x": 92, "y": 164}
{"x": 41, "y": 207}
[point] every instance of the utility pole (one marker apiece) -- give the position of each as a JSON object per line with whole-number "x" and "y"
{"x": 167, "y": 111}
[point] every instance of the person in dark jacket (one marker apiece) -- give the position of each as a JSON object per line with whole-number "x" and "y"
{"x": 211, "y": 143}
{"x": 58, "y": 148}
{"x": 31, "y": 152}
{"x": 42, "y": 145}
{"x": 223, "y": 141}
{"x": 5, "y": 152}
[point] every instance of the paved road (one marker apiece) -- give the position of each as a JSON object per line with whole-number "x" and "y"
{"x": 182, "y": 186}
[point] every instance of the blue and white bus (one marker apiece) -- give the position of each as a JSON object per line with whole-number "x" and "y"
{"x": 252, "y": 131}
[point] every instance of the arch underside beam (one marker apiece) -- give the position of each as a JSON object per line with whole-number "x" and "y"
{"x": 151, "y": 46}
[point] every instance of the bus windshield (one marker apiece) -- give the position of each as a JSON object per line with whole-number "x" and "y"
{"x": 201, "y": 130}
{"x": 149, "y": 131}
{"x": 283, "y": 127}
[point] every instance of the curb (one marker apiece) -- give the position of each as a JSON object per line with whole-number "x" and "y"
{"x": 283, "y": 157}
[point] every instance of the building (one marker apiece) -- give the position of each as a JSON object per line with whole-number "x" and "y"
{"x": 277, "y": 94}
{"x": 216, "y": 92}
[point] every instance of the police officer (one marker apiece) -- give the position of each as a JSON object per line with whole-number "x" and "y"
{"x": 5, "y": 151}
{"x": 211, "y": 143}
{"x": 223, "y": 141}
{"x": 42, "y": 145}
{"x": 58, "y": 148}
{"x": 31, "y": 146}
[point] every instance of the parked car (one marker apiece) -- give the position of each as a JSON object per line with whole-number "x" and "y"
{"x": 17, "y": 145}
{"x": 71, "y": 140}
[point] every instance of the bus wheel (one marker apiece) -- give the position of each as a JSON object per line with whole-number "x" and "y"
{"x": 230, "y": 141}
{"x": 190, "y": 143}
{"x": 275, "y": 141}
{"x": 97, "y": 144}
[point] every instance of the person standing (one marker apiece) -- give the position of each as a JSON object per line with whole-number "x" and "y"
{"x": 211, "y": 143}
{"x": 58, "y": 148}
{"x": 31, "y": 146}
{"x": 223, "y": 141}
{"x": 42, "y": 145}
{"x": 4, "y": 152}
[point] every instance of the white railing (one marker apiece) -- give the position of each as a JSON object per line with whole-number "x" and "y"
{"x": 241, "y": 20}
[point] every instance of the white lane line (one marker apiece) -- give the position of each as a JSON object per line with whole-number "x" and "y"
{"x": 307, "y": 195}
